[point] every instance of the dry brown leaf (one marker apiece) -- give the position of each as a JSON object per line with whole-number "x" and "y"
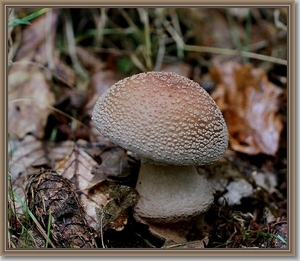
{"x": 115, "y": 214}
{"x": 25, "y": 156}
{"x": 28, "y": 97}
{"x": 115, "y": 165}
{"x": 91, "y": 200}
{"x": 249, "y": 103}
{"x": 77, "y": 166}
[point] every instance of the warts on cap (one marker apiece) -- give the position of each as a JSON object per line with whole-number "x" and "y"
{"x": 163, "y": 116}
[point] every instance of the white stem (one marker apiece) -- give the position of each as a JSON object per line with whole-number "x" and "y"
{"x": 171, "y": 193}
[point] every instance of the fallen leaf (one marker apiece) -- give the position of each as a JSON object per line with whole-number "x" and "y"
{"x": 115, "y": 166}
{"x": 76, "y": 166}
{"x": 249, "y": 103}
{"x": 28, "y": 97}
{"x": 114, "y": 214}
{"x": 25, "y": 156}
{"x": 93, "y": 199}
{"x": 63, "y": 72}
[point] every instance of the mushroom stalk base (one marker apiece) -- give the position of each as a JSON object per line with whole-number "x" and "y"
{"x": 171, "y": 193}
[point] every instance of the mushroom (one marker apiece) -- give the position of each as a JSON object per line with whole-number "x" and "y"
{"x": 174, "y": 125}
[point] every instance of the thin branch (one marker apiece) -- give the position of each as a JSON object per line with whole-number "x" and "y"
{"x": 257, "y": 56}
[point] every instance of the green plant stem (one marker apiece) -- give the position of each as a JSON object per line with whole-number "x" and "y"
{"x": 27, "y": 210}
{"x": 48, "y": 228}
{"x": 25, "y": 20}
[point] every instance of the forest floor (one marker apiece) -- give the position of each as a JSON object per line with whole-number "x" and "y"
{"x": 59, "y": 63}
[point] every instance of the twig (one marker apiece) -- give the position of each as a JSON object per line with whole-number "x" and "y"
{"x": 46, "y": 69}
{"x": 72, "y": 48}
{"x": 278, "y": 23}
{"x": 176, "y": 25}
{"x": 257, "y": 56}
{"x": 160, "y": 53}
{"x": 195, "y": 48}
{"x": 49, "y": 106}
{"x": 145, "y": 19}
{"x": 49, "y": 50}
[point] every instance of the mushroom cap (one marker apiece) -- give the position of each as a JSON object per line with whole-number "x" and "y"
{"x": 164, "y": 117}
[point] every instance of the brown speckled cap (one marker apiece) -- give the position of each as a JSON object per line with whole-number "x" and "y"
{"x": 164, "y": 117}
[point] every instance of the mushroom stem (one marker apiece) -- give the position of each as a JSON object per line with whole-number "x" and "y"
{"x": 170, "y": 193}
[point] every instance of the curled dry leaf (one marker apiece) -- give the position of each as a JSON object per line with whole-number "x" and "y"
{"x": 249, "y": 102}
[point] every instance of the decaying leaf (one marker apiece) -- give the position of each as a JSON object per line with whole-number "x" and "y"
{"x": 115, "y": 166}
{"x": 28, "y": 97}
{"x": 114, "y": 214}
{"x": 93, "y": 199}
{"x": 50, "y": 196}
{"x": 76, "y": 166}
{"x": 249, "y": 102}
{"x": 24, "y": 156}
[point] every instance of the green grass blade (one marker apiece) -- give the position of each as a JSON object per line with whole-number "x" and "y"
{"x": 48, "y": 228}
{"x": 47, "y": 237}
{"x": 281, "y": 239}
{"x": 25, "y": 207}
{"x": 16, "y": 21}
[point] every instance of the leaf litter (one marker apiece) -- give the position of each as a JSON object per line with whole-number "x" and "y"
{"x": 250, "y": 104}
{"x": 103, "y": 175}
